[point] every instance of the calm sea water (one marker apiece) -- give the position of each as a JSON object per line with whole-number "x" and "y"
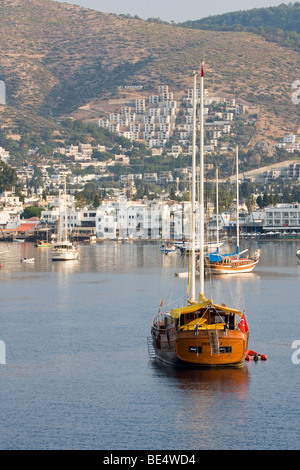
{"x": 78, "y": 374}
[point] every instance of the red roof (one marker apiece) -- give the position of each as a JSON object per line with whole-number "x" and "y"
{"x": 24, "y": 227}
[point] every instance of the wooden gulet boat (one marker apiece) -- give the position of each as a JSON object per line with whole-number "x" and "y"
{"x": 234, "y": 263}
{"x": 202, "y": 333}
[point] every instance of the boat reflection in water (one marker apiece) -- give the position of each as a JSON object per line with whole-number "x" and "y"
{"x": 208, "y": 403}
{"x": 232, "y": 380}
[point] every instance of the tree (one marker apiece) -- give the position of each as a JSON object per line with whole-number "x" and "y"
{"x": 259, "y": 201}
{"x": 32, "y": 211}
{"x": 8, "y": 177}
{"x": 172, "y": 194}
{"x": 97, "y": 201}
{"x": 266, "y": 199}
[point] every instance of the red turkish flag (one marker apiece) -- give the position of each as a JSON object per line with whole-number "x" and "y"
{"x": 243, "y": 325}
{"x": 202, "y": 70}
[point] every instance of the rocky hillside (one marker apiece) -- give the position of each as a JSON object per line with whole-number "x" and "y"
{"x": 56, "y": 58}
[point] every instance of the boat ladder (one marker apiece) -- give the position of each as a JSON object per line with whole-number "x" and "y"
{"x": 151, "y": 349}
{"x": 214, "y": 342}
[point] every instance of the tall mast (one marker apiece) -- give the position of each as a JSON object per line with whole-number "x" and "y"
{"x": 201, "y": 205}
{"x": 237, "y": 203}
{"x": 65, "y": 209}
{"x": 60, "y": 221}
{"x": 193, "y": 225}
{"x": 217, "y": 206}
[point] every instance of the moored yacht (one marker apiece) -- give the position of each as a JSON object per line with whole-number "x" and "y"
{"x": 64, "y": 251}
{"x": 201, "y": 333}
{"x": 232, "y": 263}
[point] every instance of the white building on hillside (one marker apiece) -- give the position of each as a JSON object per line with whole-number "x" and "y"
{"x": 4, "y": 155}
{"x": 2, "y": 93}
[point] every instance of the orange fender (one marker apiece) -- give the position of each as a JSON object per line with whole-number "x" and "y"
{"x": 250, "y": 354}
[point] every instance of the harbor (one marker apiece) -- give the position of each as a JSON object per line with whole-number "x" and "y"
{"x": 149, "y": 230}
{"x": 78, "y": 374}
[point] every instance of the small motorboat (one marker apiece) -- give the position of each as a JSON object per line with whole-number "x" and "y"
{"x": 168, "y": 248}
{"x": 27, "y": 260}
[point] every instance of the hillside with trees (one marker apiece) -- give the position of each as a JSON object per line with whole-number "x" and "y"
{"x": 56, "y": 57}
{"x": 280, "y": 24}
{"x": 57, "y": 60}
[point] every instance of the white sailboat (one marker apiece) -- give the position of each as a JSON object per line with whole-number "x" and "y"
{"x": 209, "y": 247}
{"x": 201, "y": 333}
{"x": 63, "y": 249}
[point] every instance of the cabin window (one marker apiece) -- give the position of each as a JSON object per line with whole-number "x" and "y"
{"x": 195, "y": 349}
{"x": 220, "y": 319}
{"x": 225, "y": 349}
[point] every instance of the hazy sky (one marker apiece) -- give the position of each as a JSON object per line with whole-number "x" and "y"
{"x": 176, "y": 10}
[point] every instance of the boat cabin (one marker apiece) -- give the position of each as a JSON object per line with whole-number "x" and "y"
{"x": 207, "y": 318}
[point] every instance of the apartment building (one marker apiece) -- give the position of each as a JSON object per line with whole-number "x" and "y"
{"x": 282, "y": 217}
{"x": 137, "y": 220}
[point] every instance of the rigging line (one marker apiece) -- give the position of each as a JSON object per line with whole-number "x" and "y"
{"x": 178, "y": 301}
{"x": 252, "y": 216}
{"x": 164, "y": 275}
{"x": 233, "y": 297}
{"x": 174, "y": 284}
{"x": 189, "y": 276}
{"x": 171, "y": 281}
{"x": 247, "y": 234}
{"x": 171, "y": 299}
{"x": 210, "y": 280}
{"x": 189, "y": 252}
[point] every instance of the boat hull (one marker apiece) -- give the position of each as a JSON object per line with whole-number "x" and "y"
{"x": 231, "y": 268}
{"x": 64, "y": 251}
{"x": 186, "y": 348}
{"x": 64, "y": 256}
{"x": 44, "y": 245}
